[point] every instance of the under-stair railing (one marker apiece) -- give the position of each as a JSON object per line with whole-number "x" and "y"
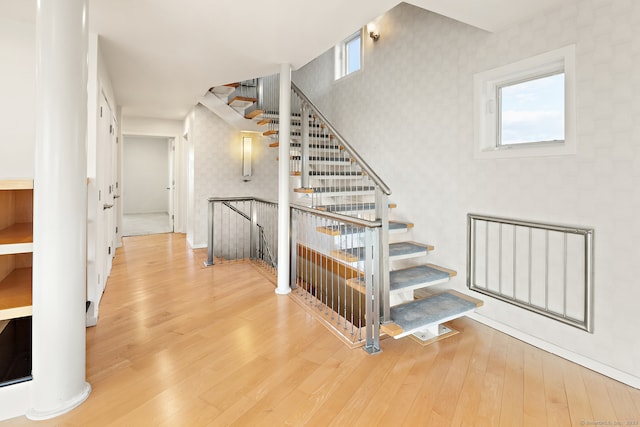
{"x": 334, "y": 270}
{"x": 541, "y": 267}
{"x": 242, "y": 228}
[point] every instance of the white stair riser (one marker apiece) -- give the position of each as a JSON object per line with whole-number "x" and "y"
{"x": 440, "y": 321}
{"x": 406, "y": 294}
{"x": 408, "y": 256}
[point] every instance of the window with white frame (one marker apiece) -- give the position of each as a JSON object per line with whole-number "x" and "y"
{"x": 348, "y": 55}
{"x": 527, "y": 108}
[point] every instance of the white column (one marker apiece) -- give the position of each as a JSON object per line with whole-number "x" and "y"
{"x": 60, "y": 206}
{"x": 284, "y": 135}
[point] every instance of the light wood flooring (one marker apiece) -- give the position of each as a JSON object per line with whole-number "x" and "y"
{"x": 178, "y": 344}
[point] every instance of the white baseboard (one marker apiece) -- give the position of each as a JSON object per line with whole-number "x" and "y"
{"x": 594, "y": 365}
{"x": 14, "y": 400}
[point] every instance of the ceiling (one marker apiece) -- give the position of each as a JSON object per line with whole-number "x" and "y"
{"x": 162, "y": 55}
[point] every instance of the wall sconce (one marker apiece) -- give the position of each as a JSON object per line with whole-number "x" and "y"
{"x": 374, "y": 31}
{"x": 246, "y": 157}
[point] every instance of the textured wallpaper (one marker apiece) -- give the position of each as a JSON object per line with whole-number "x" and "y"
{"x": 217, "y": 170}
{"x": 409, "y": 112}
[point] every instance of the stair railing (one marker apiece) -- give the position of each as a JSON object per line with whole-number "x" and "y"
{"x": 333, "y": 177}
{"x": 241, "y": 228}
{"x": 317, "y": 129}
{"x": 341, "y": 140}
{"x": 334, "y": 271}
{"x": 345, "y": 183}
{"x": 334, "y": 259}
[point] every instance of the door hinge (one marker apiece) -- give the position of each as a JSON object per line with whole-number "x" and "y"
{"x": 100, "y": 111}
{"x": 109, "y": 250}
{"x": 116, "y": 230}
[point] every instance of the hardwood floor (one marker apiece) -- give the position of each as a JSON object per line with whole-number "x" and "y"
{"x": 178, "y": 344}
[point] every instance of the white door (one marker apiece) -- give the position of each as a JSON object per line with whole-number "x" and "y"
{"x": 104, "y": 177}
{"x": 171, "y": 185}
{"x": 111, "y": 196}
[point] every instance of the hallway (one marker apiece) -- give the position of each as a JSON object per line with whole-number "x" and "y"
{"x": 146, "y": 223}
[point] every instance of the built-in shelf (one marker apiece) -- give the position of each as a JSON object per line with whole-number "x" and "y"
{"x": 15, "y": 294}
{"x": 16, "y": 248}
{"x": 16, "y": 239}
{"x": 16, "y": 184}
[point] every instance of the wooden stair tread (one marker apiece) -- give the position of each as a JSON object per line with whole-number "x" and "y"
{"x": 269, "y": 132}
{"x": 303, "y": 190}
{"x": 311, "y": 146}
{"x": 327, "y": 190}
{"x": 391, "y": 329}
{"x": 242, "y": 99}
{"x": 253, "y": 114}
{"x": 339, "y": 230}
{"x": 264, "y": 122}
{"x": 351, "y": 207}
{"x": 336, "y": 173}
{"x": 423, "y": 313}
{"x": 324, "y": 159}
{"x": 345, "y": 229}
{"x": 400, "y": 250}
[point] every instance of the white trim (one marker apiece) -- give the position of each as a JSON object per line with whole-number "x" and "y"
{"x": 485, "y": 120}
{"x": 14, "y": 400}
{"x": 69, "y": 405}
{"x": 594, "y": 365}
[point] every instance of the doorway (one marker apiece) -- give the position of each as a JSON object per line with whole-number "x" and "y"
{"x": 148, "y": 185}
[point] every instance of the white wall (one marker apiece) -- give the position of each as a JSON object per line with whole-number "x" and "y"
{"x": 17, "y": 99}
{"x": 409, "y": 112}
{"x": 100, "y": 232}
{"x": 145, "y": 126}
{"x": 145, "y": 174}
{"x": 215, "y": 165}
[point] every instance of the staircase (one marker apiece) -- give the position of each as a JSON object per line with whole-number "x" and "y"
{"x": 328, "y": 175}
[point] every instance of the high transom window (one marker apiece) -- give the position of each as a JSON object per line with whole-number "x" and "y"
{"x": 348, "y": 55}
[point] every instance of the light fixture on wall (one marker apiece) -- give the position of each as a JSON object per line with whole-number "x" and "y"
{"x": 373, "y": 30}
{"x": 246, "y": 157}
